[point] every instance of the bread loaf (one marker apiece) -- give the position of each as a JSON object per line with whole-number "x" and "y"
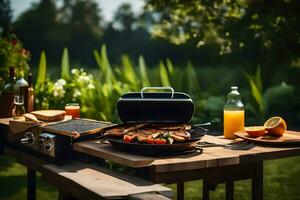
{"x": 30, "y": 118}
{"x": 49, "y": 115}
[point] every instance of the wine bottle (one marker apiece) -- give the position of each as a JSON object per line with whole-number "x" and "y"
{"x": 29, "y": 95}
{"x": 7, "y": 95}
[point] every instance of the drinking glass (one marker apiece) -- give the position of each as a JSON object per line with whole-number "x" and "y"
{"x": 73, "y": 109}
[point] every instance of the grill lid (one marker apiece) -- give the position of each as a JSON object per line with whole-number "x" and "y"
{"x": 171, "y": 107}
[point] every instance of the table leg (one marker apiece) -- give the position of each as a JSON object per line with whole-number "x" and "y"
{"x": 229, "y": 190}
{"x": 205, "y": 189}
{"x": 31, "y": 184}
{"x": 1, "y": 140}
{"x": 64, "y": 196}
{"x": 257, "y": 182}
{"x": 180, "y": 191}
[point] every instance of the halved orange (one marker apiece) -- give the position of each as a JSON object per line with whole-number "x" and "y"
{"x": 275, "y": 125}
{"x": 255, "y": 131}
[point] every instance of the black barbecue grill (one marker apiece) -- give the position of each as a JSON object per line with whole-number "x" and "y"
{"x": 158, "y": 108}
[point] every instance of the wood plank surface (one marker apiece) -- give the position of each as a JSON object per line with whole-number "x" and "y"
{"x": 289, "y": 137}
{"x": 90, "y": 181}
{"x": 5, "y": 121}
{"x": 210, "y": 157}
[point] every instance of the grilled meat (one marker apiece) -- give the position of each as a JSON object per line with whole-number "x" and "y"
{"x": 151, "y": 133}
{"x": 119, "y": 131}
{"x": 172, "y": 126}
{"x": 180, "y": 136}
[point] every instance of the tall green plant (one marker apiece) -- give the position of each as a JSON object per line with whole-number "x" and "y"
{"x": 191, "y": 80}
{"x": 129, "y": 74}
{"x": 164, "y": 77}
{"x": 143, "y": 72}
{"x": 42, "y": 70}
{"x": 65, "y": 65}
{"x": 170, "y": 66}
{"x": 104, "y": 65}
{"x": 255, "y": 84}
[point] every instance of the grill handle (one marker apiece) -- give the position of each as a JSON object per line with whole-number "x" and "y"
{"x": 157, "y": 88}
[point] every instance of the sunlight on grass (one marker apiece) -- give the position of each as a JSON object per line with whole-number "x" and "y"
{"x": 281, "y": 180}
{"x": 279, "y": 175}
{"x": 13, "y": 182}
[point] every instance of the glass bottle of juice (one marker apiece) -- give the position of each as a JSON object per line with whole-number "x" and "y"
{"x": 234, "y": 114}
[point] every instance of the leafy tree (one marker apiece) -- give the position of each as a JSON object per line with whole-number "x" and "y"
{"x": 124, "y": 18}
{"x": 265, "y": 33}
{"x": 85, "y": 27}
{"x": 37, "y": 28}
{"x": 5, "y": 17}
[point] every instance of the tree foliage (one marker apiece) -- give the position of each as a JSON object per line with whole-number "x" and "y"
{"x": 44, "y": 26}
{"x": 5, "y": 17}
{"x": 260, "y": 32}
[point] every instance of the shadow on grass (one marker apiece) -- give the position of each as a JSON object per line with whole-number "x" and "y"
{"x": 12, "y": 185}
{"x": 6, "y": 162}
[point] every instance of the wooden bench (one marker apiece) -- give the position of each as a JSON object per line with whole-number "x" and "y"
{"x": 90, "y": 181}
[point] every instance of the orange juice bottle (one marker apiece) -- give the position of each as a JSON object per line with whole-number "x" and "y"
{"x": 234, "y": 114}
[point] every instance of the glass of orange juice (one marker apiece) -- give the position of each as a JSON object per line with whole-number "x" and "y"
{"x": 73, "y": 109}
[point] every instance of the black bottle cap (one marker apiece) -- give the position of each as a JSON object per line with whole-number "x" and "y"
{"x": 12, "y": 71}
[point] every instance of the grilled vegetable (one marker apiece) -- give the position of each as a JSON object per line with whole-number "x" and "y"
{"x": 150, "y": 140}
{"x": 160, "y": 141}
{"x": 128, "y": 138}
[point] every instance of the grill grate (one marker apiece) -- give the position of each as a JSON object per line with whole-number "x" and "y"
{"x": 81, "y": 126}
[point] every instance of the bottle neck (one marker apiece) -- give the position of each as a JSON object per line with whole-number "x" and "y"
{"x": 12, "y": 75}
{"x": 234, "y": 100}
{"x": 29, "y": 80}
{"x": 12, "y": 79}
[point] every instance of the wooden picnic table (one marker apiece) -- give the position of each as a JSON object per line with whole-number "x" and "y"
{"x": 81, "y": 180}
{"x": 214, "y": 165}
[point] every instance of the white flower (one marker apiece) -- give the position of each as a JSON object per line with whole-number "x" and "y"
{"x": 77, "y": 93}
{"x": 60, "y": 82}
{"x": 84, "y": 78}
{"x": 58, "y": 90}
{"x": 74, "y": 71}
{"x": 91, "y": 86}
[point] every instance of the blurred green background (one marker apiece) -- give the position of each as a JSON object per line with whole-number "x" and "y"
{"x": 198, "y": 47}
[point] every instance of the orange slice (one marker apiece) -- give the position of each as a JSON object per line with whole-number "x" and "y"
{"x": 255, "y": 131}
{"x": 275, "y": 125}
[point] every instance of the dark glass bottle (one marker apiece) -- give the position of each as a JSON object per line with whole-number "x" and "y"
{"x": 29, "y": 95}
{"x": 7, "y": 95}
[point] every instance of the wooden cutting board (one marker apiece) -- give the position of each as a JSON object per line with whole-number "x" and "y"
{"x": 289, "y": 137}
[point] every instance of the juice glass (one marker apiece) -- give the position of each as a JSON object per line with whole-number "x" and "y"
{"x": 73, "y": 109}
{"x": 233, "y": 121}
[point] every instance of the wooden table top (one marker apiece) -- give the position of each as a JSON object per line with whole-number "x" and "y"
{"x": 210, "y": 157}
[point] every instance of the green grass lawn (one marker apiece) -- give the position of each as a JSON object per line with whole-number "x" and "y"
{"x": 281, "y": 182}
